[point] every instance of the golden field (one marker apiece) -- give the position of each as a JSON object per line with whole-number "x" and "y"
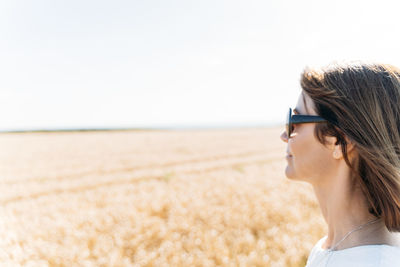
{"x": 153, "y": 198}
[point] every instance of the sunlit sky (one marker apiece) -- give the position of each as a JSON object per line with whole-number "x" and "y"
{"x": 91, "y": 64}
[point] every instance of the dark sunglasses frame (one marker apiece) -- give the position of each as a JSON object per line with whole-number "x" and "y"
{"x": 296, "y": 119}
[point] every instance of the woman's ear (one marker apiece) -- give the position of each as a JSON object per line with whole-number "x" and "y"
{"x": 338, "y": 152}
{"x": 335, "y": 146}
{"x": 332, "y": 143}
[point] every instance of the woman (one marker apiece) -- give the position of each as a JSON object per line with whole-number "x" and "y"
{"x": 344, "y": 139}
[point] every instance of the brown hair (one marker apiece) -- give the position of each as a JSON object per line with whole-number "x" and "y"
{"x": 361, "y": 102}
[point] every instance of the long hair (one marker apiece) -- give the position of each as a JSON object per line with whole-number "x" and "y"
{"x": 361, "y": 102}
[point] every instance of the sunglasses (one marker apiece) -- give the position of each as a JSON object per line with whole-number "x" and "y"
{"x": 296, "y": 119}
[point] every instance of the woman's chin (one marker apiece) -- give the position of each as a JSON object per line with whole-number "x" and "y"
{"x": 289, "y": 173}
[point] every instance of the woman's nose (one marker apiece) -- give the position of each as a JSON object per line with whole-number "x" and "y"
{"x": 284, "y": 137}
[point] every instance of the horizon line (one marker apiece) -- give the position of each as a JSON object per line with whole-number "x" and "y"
{"x": 145, "y": 128}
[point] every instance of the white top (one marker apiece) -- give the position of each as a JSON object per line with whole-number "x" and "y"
{"x": 365, "y": 256}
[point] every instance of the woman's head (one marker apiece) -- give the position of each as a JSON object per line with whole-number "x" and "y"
{"x": 361, "y": 102}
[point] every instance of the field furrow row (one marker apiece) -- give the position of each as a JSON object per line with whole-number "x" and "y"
{"x": 131, "y": 167}
{"x": 107, "y": 180}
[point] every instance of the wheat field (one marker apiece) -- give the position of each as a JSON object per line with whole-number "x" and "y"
{"x": 153, "y": 198}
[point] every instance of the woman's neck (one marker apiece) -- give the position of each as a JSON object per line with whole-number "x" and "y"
{"x": 344, "y": 209}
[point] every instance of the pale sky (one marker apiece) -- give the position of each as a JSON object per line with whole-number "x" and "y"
{"x": 84, "y": 64}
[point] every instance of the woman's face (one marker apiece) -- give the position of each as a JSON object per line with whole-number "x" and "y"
{"x": 307, "y": 159}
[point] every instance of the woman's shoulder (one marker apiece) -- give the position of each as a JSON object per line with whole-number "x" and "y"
{"x": 367, "y": 255}
{"x": 390, "y": 256}
{"x": 317, "y": 249}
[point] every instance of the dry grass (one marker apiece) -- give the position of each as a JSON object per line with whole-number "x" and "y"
{"x": 185, "y": 198}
